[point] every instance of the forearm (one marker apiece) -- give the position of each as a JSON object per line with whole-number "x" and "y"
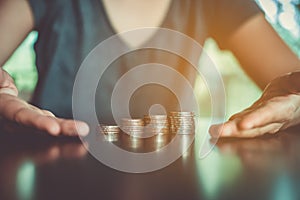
{"x": 261, "y": 52}
{"x": 16, "y": 22}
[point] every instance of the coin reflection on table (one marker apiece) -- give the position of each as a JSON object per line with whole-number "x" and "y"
{"x": 130, "y": 142}
{"x": 161, "y": 140}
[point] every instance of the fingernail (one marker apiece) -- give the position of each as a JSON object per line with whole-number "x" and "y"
{"x": 54, "y": 129}
{"x": 83, "y": 129}
{"x": 226, "y": 130}
{"x": 214, "y": 130}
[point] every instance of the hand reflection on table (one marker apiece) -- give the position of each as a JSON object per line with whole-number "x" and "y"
{"x": 259, "y": 162}
{"x": 20, "y": 168}
{"x": 267, "y": 160}
{"x": 268, "y": 152}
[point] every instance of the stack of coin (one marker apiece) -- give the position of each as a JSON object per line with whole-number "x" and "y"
{"x": 111, "y": 132}
{"x": 133, "y": 127}
{"x": 182, "y": 122}
{"x": 156, "y": 124}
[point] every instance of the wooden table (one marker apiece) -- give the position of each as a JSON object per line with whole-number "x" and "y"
{"x": 36, "y": 166}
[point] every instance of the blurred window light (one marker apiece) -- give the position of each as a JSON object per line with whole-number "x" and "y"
{"x": 25, "y": 181}
{"x": 269, "y": 8}
{"x": 286, "y": 19}
{"x": 284, "y": 15}
{"x": 284, "y": 12}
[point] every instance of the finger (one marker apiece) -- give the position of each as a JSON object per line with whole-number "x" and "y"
{"x": 13, "y": 92}
{"x": 73, "y": 127}
{"x": 52, "y": 125}
{"x": 259, "y": 131}
{"x": 34, "y": 118}
{"x": 247, "y": 110}
{"x": 68, "y": 127}
{"x": 224, "y": 130}
{"x": 271, "y": 112}
{"x": 7, "y": 84}
{"x": 18, "y": 110}
{"x": 48, "y": 113}
{"x": 239, "y": 114}
{"x": 230, "y": 129}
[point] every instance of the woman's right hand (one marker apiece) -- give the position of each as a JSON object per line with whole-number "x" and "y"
{"x": 18, "y": 110}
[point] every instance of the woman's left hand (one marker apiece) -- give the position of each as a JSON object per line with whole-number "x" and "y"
{"x": 277, "y": 109}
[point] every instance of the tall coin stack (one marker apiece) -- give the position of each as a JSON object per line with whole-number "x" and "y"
{"x": 182, "y": 122}
{"x": 133, "y": 127}
{"x": 156, "y": 124}
{"x": 111, "y": 133}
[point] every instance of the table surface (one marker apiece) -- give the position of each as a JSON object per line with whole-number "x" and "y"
{"x": 36, "y": 166}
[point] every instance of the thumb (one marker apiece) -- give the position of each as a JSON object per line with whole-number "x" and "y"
{"x": 7, "y": 85}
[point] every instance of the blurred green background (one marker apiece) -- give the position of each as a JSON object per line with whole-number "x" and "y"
{"x": 241, "y": 91}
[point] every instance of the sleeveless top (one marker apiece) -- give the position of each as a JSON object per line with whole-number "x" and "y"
{"x": 69, "y": 29}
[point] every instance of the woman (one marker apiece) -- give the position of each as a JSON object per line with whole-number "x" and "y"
{"x": 68, "y": 30}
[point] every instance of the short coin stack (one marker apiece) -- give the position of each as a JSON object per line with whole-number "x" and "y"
{"x": 111, "y": 133}
{"x": 182, "y": 122}
{"x": 133, "y": 127}
{"x": 174, "y": 123}
{"x": 156, "y": 124}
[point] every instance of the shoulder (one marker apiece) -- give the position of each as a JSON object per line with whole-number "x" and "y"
{"x": 223, "y": 17}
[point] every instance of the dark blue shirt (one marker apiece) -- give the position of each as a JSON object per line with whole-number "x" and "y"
{"x": 69, "y": 29}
